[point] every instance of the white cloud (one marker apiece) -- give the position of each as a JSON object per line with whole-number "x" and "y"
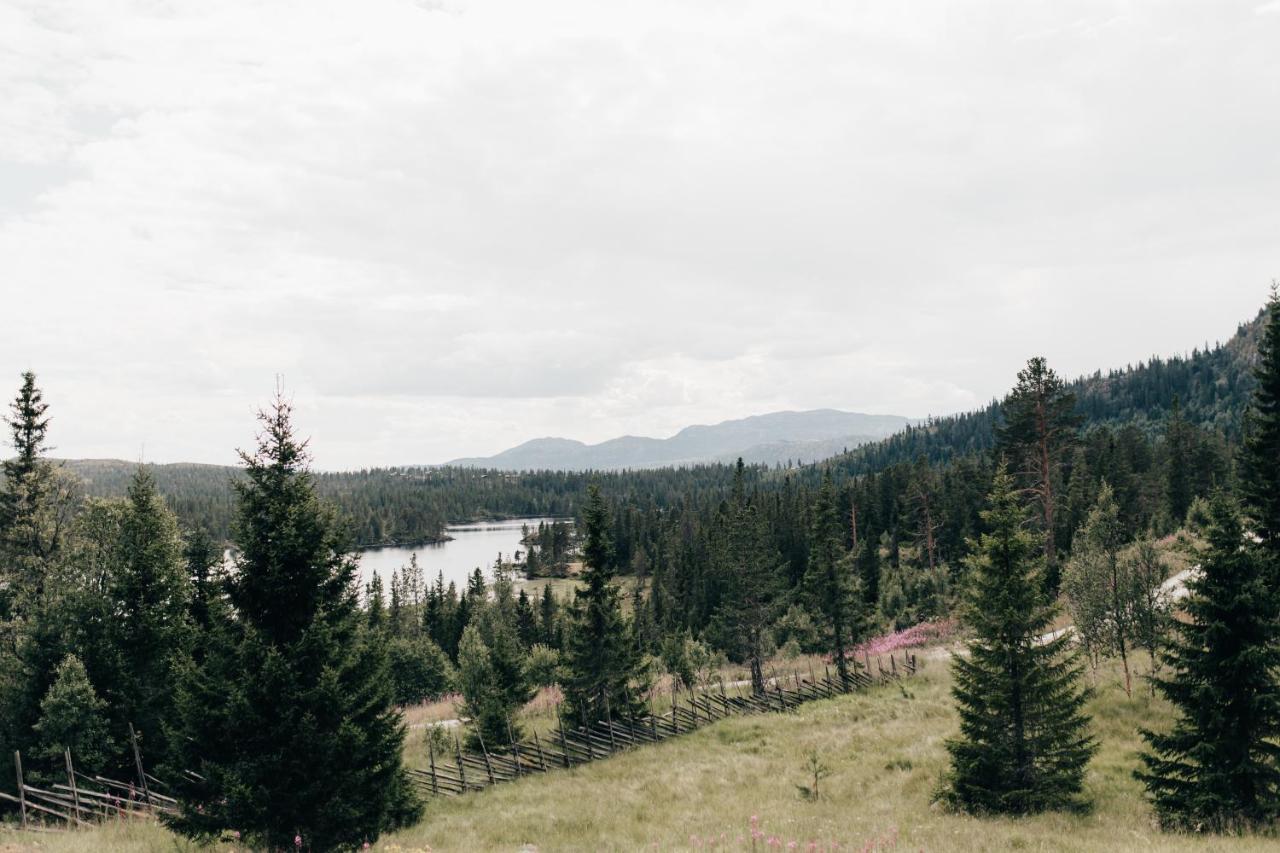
{"x": 471, "y": 223}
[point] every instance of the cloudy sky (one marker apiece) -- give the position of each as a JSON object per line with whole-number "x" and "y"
{"x": 451, "y": 227}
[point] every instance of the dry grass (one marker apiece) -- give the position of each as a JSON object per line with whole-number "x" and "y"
{"x": 886, "y": 753}
{"x": 885, "y": 750}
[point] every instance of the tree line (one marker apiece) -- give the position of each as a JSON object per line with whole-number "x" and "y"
{"x": 266, "y": 690}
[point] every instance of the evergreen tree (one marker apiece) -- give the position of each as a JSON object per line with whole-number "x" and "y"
{"x": 1218, "y": 769}
{"x": 602, "y": 662}
{"x": 206, "y": 578}
{"x": 1179, "y": 447}
{"x": 868, "y": 565}
{"x": 830, "y": 580}
{"x": 375, "y": 609}
{"x": 1024, "y": 741}
{"x": 1038, "y": 430}
{"x": 289, "y": 721}
{"x": 549, "y": 619}
{"x": 1260, "y": 456}
{"x": 34, "y": 503}
{"x": 72, "y": 717}
{"x": 751, "y": 568}
{"x": 148, "y": 628}
{"x": 420, "y": 670}
{"x": 526, "y": 620}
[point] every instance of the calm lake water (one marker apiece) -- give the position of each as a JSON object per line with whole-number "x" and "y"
{"x": 472, "y": 545}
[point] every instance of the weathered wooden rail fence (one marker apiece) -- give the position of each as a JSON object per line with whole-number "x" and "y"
{"x": 458, "y": 771}
{"x": 83, "y": 800}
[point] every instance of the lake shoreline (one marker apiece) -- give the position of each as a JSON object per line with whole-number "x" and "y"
{"x": 445, "y": 537}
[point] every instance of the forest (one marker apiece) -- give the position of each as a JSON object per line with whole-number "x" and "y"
{"x": 261, "y": 681}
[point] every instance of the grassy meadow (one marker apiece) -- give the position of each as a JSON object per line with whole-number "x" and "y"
{"x": 884, "y": 750}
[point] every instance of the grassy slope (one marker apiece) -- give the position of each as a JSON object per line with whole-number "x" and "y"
{"x": 886, "y": 754}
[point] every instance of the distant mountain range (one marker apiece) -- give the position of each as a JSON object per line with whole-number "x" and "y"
{"x": 768, "y": 439}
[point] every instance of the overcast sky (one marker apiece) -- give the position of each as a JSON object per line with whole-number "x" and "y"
{"x": 455, "y": 226}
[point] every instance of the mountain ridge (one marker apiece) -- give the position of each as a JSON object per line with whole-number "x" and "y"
{"x": 766, "y": 438}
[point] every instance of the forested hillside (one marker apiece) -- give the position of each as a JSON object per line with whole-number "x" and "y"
{"x": 407, "y": 505}
{"x": 413, "y": 504}
{"x": 1063, "y": 491}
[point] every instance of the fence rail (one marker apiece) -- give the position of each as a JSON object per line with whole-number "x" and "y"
{"x": 84, "y": 800}
{"x": 460, "y": 771}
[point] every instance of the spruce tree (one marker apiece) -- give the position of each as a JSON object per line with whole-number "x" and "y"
{"x": 1260, "y": 456}
{"x": 148, "y": 628}
{"x": 32, "y": 512}
{"x": 1039, "y": 428}
{"x": 207, "y": 580}
{"x": 71, "y": 717}
{"x": 1179, "y": 447}
{"x": 751, "y": 569}
{"x": 1024, "y": 742}
{"x": 830, "y": 579}
{"x": 1218, "y": 768}
{"x": 289, "y": 720}
{"x": 549, "y": 619}
{"x": 602, "y": 661}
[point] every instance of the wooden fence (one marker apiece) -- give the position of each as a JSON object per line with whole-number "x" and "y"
{"x": 85, "y": 800}
{"x": 459, "y": 771}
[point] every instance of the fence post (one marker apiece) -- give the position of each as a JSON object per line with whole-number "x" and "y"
{"x": 22, "y": 790}
{"x": 564, "y": 742}
{"x": 462, "y": 768}
{"x": 137, "y": 759}
{"x": 608, "y": 719}
{"x": 515, "y": 747}
{"x": 71, "y": 781}
{"x": 488, "y": 768}
{"x": 431, "y": 747}
{"x": 542, "y": 761}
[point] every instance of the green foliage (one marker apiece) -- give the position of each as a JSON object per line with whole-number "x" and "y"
{"x": 750, "y": 569}
{"x": 148, "y": 627}
{"x": 830, "y": 580}
{"x": 1218, "y": 768}
{"x": 544, "y": 665}
{"x": 419, "y": 669}
{"x": 491, "y": 698}
{"x": 72, "y": 717}
{"x": 1037, "y": 434}
{"x": 1260, "y": 456}
{"x": 289, "y": 720}
{"x": 816, "y": 769}
{"x": 602, "y": 661}
{"x": 1024, "y": 742}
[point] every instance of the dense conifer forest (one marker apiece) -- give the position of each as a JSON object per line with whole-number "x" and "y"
{"x": 117, "y": 609}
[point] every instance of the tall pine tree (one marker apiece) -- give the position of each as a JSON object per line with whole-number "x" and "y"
{"x": 602, "y": 660}
{"x": 1039, "y": 429}
{"x": 830, "y": 580}
{"x": 752, "y": 570}
{"x": 1024, "y": 740}
{"x": 1260, "y": 457}
{"x": 1218, "y": 769}
{"x": 289, "y": 721}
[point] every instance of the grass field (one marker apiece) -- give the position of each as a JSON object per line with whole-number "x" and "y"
{"x": 885, "y": 752}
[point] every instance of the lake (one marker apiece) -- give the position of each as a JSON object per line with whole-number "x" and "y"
{"x": 472, "y": 545}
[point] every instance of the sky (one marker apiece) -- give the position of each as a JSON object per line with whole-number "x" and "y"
{"x": 449, "y": 227}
